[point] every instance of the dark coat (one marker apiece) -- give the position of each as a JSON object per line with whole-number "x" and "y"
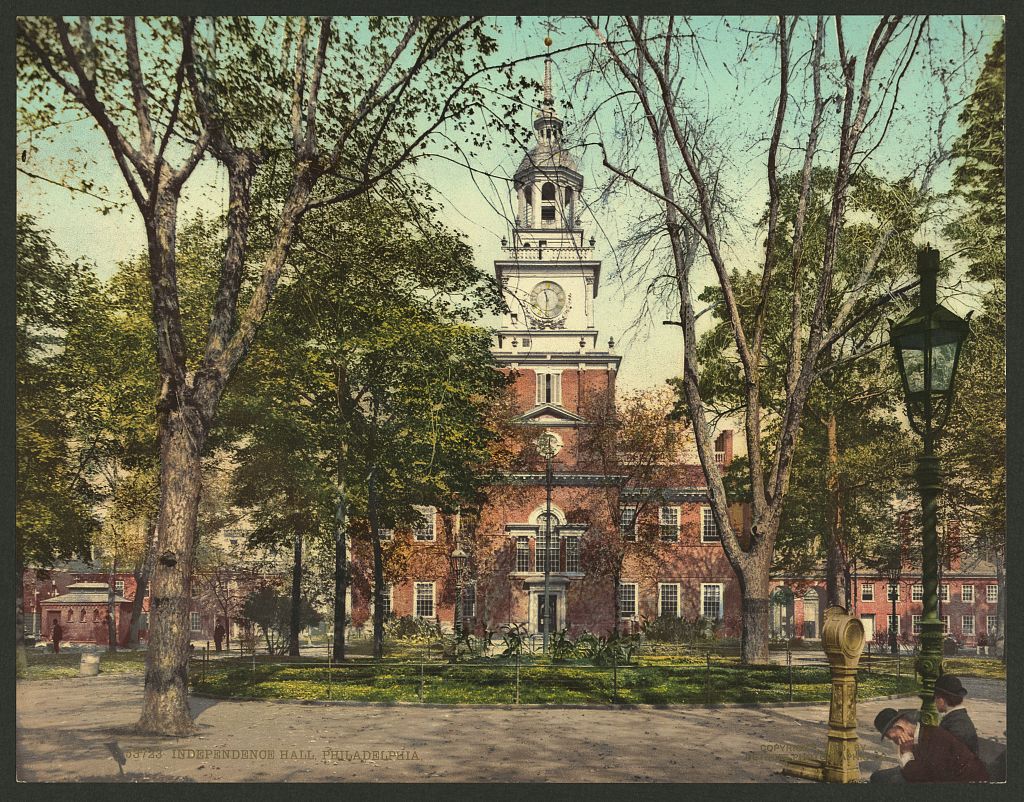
{"x": 942, "y": 758}
{"x": 960, "y": 725}
{"x": 58, "y": 633}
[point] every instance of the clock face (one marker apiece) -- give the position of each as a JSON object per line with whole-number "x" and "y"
{"x": 547, "y": 299}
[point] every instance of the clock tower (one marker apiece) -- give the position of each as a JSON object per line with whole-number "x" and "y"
{"x": 550, "y": 281}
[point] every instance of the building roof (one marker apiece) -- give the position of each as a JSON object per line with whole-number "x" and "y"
{"x": 85, "y": 593}
{"x": 547, "y": 156}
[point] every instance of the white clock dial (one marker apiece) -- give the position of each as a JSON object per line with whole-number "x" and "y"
{"x": 547, "y": 299}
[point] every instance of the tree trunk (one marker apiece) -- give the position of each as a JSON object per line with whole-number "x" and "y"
{"x": 165, "y": 709}
{"x": 378, "y": 572}
{"x": 616, "y": 576}
{"x": 340, "y": 557}
{"x": 835, "y": 590}
{"x": 19, "y": 620}
{"x": 1000, "y": 634}
{"x": 756, "y": 617}
{"x": 111, "y": 610}
{"x": 296, "y": 611}
{"x": 142, "y": 574}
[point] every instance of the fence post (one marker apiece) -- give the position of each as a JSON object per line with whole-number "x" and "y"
{"x": 421, "y": 680}
{"x": 615, "y": 678}
{"x": 899, "y": 673}
{"x": 329, "y": 663}
{"x": 707, "y": 678}
{"x": 206, "y": 657}
{"x": 517, "y": 677}
{"x": 789, "y": 663}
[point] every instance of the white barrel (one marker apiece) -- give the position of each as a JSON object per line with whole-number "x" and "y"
{"x": 90, "y": 665}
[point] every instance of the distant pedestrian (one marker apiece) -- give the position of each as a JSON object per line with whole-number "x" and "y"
{"x": 58, "y": 635}
{"x": 218, "y": 635}
{"x": 949, "y": 701}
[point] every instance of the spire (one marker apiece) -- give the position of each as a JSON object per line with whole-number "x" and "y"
{"x": 549, "y": 100}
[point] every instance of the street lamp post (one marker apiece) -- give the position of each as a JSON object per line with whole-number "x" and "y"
{"x": 459, "y": 560}
{"x": 927, "y": 344}
{"x": 546, "y": 447}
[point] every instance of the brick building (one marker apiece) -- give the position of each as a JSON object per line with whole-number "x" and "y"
{"x": 549, "y": 342}
{"x": 62, "y": 590}
{"x": 968, "y": 603}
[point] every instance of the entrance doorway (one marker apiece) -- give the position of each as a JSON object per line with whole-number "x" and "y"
{"x": 542, "y": 608}
{"x": 811, "y": 614}
{"x": 868, "y": 621}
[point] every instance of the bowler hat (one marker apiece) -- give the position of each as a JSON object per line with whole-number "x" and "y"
{"x": 886, "y": 718}
{"x": 951, "y": 684}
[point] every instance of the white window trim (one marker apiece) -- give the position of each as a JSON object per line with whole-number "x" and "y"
{"x": 472, "y": 614}
{"x": 386, "y": 534}
{"x": 963, "y": 624}
{"x": 679, "y": 596}
{"x": 721, "y": 597}
{"x": 662, "y": 525}
{"x": 704, "y": 511}
{"x": 944, "y": 620}
{"x": 636, "y": 599}
{"x": 916, "y": 593}
{"x": 433, "y": 599}
{"x": 867, "y": 586}
{"x": 899, "y": 622}
{"x": 556, "y": 386}
{"x": 991, "y": 624}
{"x": 579, "y": 558}
{"x": 518, "y": 540}
{"x": 194, "y": 616}
{"x": 628, "y": 534}
{"x": 915, "y": 624}
{"x": 992, "y": 594}
{"x": 899, "y": 594}
{"x": 430, "y": 514}
{"x": 944, "y": 592}
{"x": 973, "y": 594}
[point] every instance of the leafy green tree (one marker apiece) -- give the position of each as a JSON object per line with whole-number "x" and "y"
{"x": 259, "y": 95}
{"x": 852, "y": 454}
{"x": 973, "y": 447}
{"x": 272, "y": 612}
{"x": 676, "y": 159}
{"x": 366, "y": 396}
{"x": 53, "y": 518}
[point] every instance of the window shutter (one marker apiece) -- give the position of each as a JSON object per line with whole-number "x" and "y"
{"x": 556, "y": 388}
{"x": 540, "y": 387}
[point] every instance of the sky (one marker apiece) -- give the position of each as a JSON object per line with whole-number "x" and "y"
{"x": 729, "y": 86}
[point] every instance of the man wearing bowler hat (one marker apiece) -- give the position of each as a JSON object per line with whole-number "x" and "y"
{"x": 949, "y": 701}
{"x": 926, "y": 753}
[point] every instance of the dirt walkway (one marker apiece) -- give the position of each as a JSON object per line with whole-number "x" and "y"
{"x": 67, "y": 728}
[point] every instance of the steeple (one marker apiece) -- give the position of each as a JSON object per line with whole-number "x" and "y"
{"x": 547, "y": 124}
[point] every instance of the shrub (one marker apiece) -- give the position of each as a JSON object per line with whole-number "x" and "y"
{"x": 410, "y": 627}
{"x": 672, "y": 629}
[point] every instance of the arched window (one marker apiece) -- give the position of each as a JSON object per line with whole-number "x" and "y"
{"x": 570, "y": 207}
{"x": 95, "y": 615}
{"x": 71, "y": 615}
{"x": 548, "y": 196}
{"x": 81, "y": 615}
{"x": 528, "y": 206}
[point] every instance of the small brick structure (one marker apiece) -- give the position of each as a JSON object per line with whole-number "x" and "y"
{"x": 82, "y": 613}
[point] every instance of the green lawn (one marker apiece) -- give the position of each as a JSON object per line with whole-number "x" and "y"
{"x": 974, "y": 667}
{"x": 47, "y": 665}
{"x": 493, "y": 682}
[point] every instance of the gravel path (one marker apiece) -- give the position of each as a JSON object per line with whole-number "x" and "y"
{"x": 66, "y": 727}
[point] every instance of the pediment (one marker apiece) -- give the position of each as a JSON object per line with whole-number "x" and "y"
{"x": 549, "y": 415}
